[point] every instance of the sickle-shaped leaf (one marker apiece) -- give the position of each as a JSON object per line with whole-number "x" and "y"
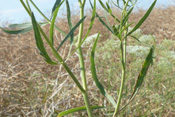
{"x": 147, "y": 63}
{"x": 71, "y": 32}
{"x": 21, "y": 31}
{"x": 143, "y": 18}
{"x": 39, "y": 42}
{"x": 83, "y": 108}
{"x": 23, "y": 28}
{"x": 94, "y": 75}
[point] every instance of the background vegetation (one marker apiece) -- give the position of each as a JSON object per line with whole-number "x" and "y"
{"x": 25, "y": 79}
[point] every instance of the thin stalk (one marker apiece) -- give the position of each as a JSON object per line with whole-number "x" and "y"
{"x": 123, "y": 60}
{"x": 123, "y": 54}
{"x": 81, "y": 60}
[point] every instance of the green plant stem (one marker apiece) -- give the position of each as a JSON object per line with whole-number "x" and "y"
{"x": 81, "y": 60}
{"x": 123, "y": 52}
{"x": 123, "y": 60}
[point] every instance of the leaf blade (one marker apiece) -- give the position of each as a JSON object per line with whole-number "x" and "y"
{"x": 94, "y": 75}
{"x": 143, "y": 18}
{"x": 55, "y": 6}
{"x": 69, "y": 19}
{"x": 83, "y": 108}
{"x": 39, "y": 42}
{"x": 53, "y": 22}
{"x": 70, "y": 33}
{"x": 148, "y": 61}
{"x": 26, "y": 27}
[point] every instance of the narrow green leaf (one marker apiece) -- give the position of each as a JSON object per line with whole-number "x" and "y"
{"x": 105, "y": 24}
{"x": 26, "y": 27}
{"x": 69, "y": 19}
{"x": 94, "y": 75}
{"x": 147, "y": 63}
{"x": 126, "y": 27}
{"x": 21, "y": 31}
{"x": 117, "y": 5}
{"x": 57, "y": 28}
{"x": 53, "y": 22}
{"x": 21, "y": 26}
{"x": 83, "y": 108}
{"x": 89, "y": 29}
{"x": 55, "y": 6}
{"x": 116, "y": 31}
{"x": 143, "y": 18}
{"x": 101, "y": 3}
{"x": 70, "y": 33}
{"x": 125, "y": 19}
{"x": 102, "y": 20}
{"x": 39, "y": 42}
{"x": 108, "y": 9}
{"x": 92, "y": 21}
{"x": 135, "y": 38}
{"x": 124, "y": 2}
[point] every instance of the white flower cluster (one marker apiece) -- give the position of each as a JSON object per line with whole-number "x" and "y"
{"x": 146, "y": 39}
{"x": 171, "y": 54}
{"x": 138, "y": 50}
{"x": 89, "y": 40}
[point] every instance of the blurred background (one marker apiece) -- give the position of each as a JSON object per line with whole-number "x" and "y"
{"x": 11, "y": 11}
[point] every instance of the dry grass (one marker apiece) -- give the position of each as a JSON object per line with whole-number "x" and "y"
{"x": 25, "y": 78}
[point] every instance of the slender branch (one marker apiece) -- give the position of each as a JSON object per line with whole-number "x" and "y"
{"x": 123, "y": 59}
{"x": 81, "y": 60}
